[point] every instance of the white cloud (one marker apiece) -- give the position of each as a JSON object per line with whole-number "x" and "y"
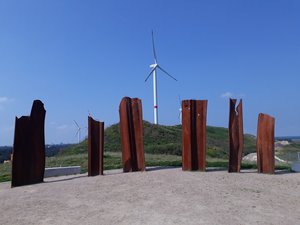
{"x": 227, "y": 95}
{"x": 62, "y": 127}
{"x": 231, "y": 95}
{"x": 4, "y": 99}
{"x": 52, "y": 123}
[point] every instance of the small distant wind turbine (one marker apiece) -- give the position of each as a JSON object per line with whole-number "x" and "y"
{"x": 78, "y": 133}
{"x": 153, "y": 72}
{"x": 180, "y": 110}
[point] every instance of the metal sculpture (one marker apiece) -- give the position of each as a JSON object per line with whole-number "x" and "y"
{"x": 95, "y": 147}
{"x": 28, "y": 164}
{"x": 131, "y": 129}
{"x": 235, "y": 136}
{"x": 194, "y": 134}
{"x": 265, "y": 144}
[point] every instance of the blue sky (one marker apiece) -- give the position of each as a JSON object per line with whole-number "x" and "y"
{"x": 84, "y": 56}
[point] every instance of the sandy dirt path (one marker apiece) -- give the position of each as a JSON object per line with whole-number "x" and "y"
{"x": 166, "y": 196}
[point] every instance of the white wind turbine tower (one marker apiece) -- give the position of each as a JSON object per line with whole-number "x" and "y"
{"x": 153, "y": 72}
{"x": 78, "y": 131}
{"x": 180, "y": 110}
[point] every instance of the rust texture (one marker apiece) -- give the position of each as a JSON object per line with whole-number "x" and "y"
{"x": 194, "y": 134}
{"x": 131, "y": 129}
{"x": 95, "y": 147}
{"x": 235, "y": 135}
{"x": 28, "y": 163}
{"x": 265, "y": 144}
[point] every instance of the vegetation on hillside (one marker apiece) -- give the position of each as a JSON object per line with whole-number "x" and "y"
{"x": 159, "y": 139}
{"x": 5, "y": 152}
{"x": 162, "y": 145}
{"x": 289, "y": 152}
{"x": 51, "y": 150}
{"x": 112, "y": 160}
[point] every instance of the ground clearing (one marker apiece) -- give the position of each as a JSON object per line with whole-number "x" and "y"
{"x": 160, "y": 196}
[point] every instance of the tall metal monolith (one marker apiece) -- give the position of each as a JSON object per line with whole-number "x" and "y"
{"x": 28, "y": 164}
{"x": 194, "y": 134}
{"x": 132, "y": 138}
{"x": 265, "y": 144}
{"x": 95, "y": 147}
{"x": 235, "y": 135}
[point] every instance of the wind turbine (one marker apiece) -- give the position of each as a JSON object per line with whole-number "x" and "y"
{"x": 153, "y": 72}
{"x": 78, "y": 131}
{"x": 180, "y": 110}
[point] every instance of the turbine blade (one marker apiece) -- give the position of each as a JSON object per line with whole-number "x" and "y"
{"x": 76, "y": 123}
{"x": 166, "y": 72}
{"x": 150, "y": 74}
{"x": 153, "y": 46}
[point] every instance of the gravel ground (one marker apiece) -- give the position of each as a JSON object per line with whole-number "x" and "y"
{"x": 159, "y": 196}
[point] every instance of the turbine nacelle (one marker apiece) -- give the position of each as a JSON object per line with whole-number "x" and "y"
{"x": 153, "y": 65}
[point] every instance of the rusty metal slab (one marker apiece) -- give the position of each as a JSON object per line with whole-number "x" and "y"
{"x": 235, "y": 135}
{"x": 28, "y": 164}
{"x": 194, "y": 134}
{"x": 132, "y": 138}
{"x": 95, "y": 147}
{"x": 265, "y": 144}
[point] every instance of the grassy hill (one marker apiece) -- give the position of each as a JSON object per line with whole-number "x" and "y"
{"x": 160, "y": 139}
{"x": 51, "y": 150}
{"x": 162, "y": 146}
{"x": 289, "y": 152}
{"x": 5, "y": 152}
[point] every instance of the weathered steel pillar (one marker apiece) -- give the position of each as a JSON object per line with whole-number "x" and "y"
{"x": 28, "y": 163}
{"x": 235, "y": 136}
{"x": 194, "y": 134}
{"x": 265, "y": 144}
{"x": 95, "y": 147}
{"x": 131, "y": 129}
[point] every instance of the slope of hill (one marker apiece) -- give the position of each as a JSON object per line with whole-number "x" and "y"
{"x": 5, "y": 152}
{"x": 289, "y": 151}
{"x": 51, "y": 150}
{"x": 160, "y": 139}
{"x": 164, "y": 142}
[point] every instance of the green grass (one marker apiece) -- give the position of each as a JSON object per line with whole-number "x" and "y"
{"x": 5, "y": 172}
{"x": 289, "y": 152}
{"x": 112, "y": 160}
{"x": 162, "y": 145}
{"x": 160, "y": 139}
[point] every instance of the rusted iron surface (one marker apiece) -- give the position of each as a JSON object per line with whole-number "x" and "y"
{"x": 131, "y": 129}
{"x": 28, "y": 163}
{"x": 265, "y": 144}
{"x": 235, "y": 135}
{"x": 95, "y": 147}
{"x": 194, "y": 134}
